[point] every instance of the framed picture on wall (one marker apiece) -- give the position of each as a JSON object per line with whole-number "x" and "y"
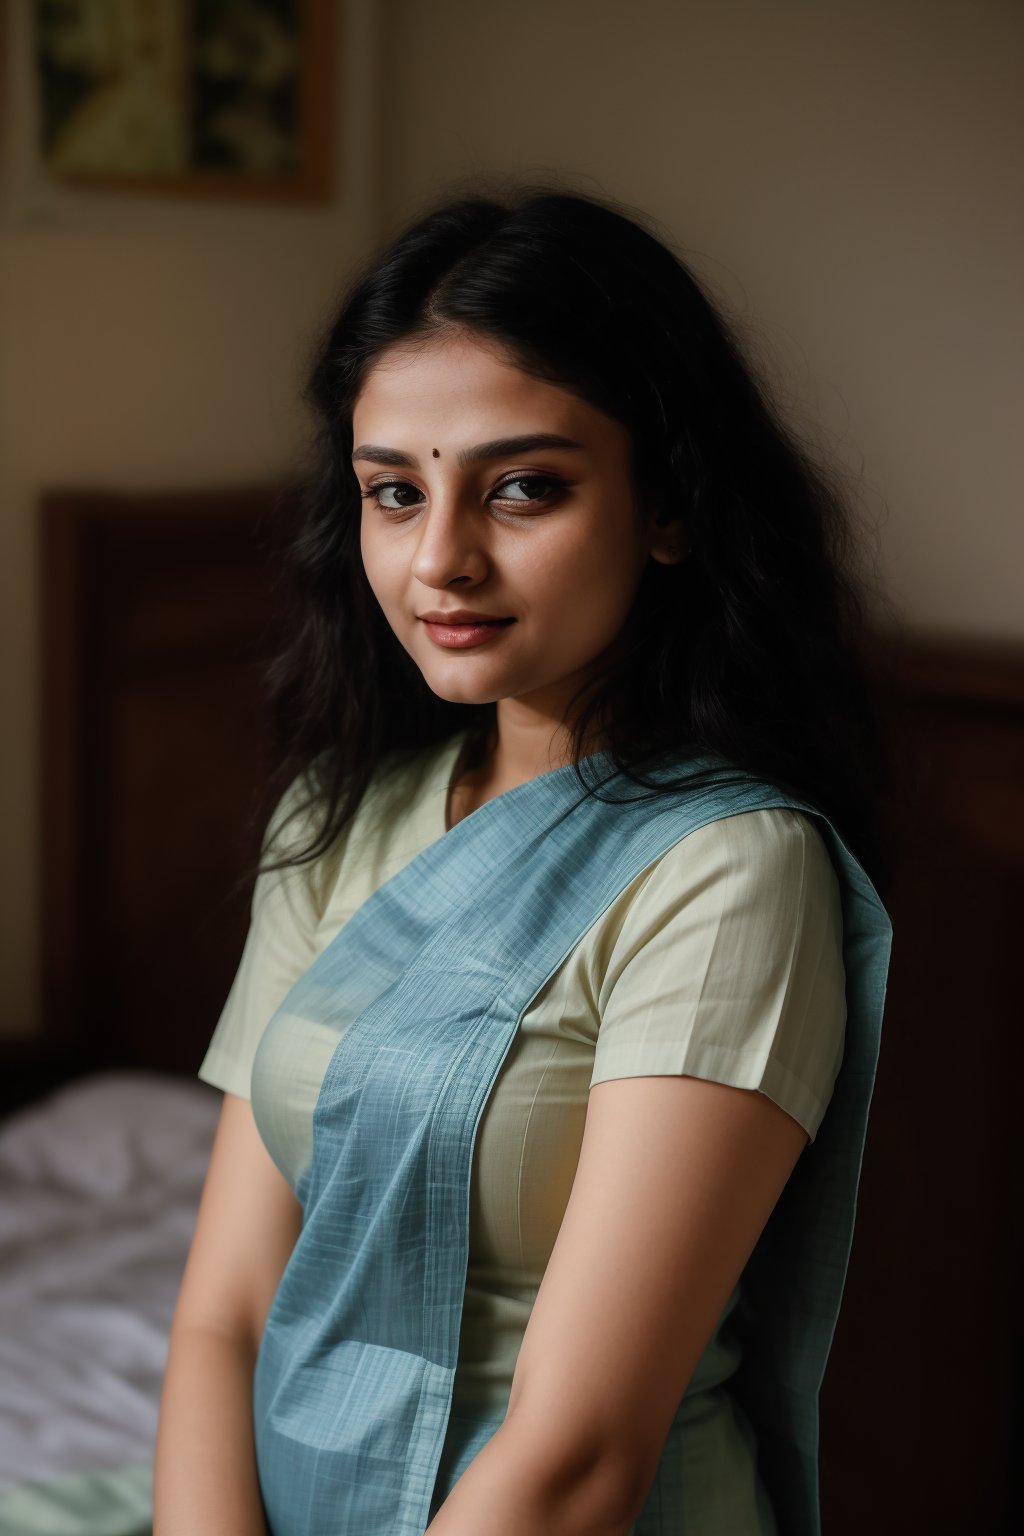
{"x": 208, "y": 98}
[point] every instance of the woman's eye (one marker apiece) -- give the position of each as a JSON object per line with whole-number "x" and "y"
{"x": 400, "y": 489}
{"x": 400, "y": 495}
{"x": 532, "y": 488}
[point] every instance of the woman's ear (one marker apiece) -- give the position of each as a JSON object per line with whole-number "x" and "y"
{"x": 668, "y": 542}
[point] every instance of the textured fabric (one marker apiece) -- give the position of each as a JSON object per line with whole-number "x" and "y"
{"x": 723, "y": 959}
{"x": 424, "y": 988}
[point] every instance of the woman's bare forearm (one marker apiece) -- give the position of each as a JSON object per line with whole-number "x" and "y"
{"x": 506, "y": 1492}
{"x": 205, "y": 1472}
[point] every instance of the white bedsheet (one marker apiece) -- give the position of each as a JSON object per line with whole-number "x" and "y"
{"x": 99, "y": 1186}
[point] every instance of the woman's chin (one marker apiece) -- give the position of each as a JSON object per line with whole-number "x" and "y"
{"x": 463, "y": 680}
{"x": 462, "y": 693}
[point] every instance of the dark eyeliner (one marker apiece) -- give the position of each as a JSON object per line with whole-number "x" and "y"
{"x": 557, "y": 486}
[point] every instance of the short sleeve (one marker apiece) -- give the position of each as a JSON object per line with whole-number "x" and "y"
{"x": 280, "y": 945}
{"x": 729, "y": 966}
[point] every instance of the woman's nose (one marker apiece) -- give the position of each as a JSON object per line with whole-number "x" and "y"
{"x": 449, "y": 545}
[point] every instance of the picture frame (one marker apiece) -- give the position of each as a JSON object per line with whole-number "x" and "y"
{"x": 215, "y": 99}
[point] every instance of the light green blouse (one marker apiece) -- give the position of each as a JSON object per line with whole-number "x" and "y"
{"x": 721, "y": 960}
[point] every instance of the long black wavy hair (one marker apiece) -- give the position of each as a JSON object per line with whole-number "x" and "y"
{"x": 748, "y": 650}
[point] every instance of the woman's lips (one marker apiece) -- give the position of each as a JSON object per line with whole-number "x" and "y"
{"x": 458, "y": 637}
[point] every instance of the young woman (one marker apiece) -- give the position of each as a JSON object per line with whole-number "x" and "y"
{"x": 547, "y": 1063}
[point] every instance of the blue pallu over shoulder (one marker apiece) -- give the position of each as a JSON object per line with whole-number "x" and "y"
{"x": 426, "y": 985}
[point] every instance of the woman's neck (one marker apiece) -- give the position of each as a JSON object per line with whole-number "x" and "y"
{"x": 502, "y": 760}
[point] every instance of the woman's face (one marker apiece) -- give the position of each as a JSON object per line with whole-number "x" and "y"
{"x": 492, "y": 495}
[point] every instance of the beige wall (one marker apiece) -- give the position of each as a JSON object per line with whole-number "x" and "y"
{"x": 143, "y": 343}
{"x": 846, "y": 172}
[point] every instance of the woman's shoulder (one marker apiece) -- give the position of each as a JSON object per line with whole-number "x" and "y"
{"x": 758, "y": 853}
{"x": 761, "y": 873}
{"x": 767, "y": 866}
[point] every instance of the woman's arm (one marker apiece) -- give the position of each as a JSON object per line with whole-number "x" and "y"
{"x": 676, "y": 1179}
{"x": 248, "y": 1221}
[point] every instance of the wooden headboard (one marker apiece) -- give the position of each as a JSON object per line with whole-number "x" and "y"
{"x": 158, "y": 620}
{"x": 157, "y": 615}
{"x": 922, "y": 1410}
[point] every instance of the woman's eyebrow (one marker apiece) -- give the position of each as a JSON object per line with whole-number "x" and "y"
{"x": 375, "y": 455}
{"x": 508, "y": 447}
{"x": 498, "y": 448}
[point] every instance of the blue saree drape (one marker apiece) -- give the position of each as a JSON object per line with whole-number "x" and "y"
{"x": 426, "y": 984}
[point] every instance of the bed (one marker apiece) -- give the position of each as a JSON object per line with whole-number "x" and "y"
{"x": 158, "y": 618}
{"x": 101, "y": 1180}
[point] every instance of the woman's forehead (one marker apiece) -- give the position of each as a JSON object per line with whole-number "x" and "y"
{"x": 463, "y": 387}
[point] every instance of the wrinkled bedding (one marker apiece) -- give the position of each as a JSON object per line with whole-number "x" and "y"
{"x": 87, "y": 1504}
{"x": 99, "y": 1186}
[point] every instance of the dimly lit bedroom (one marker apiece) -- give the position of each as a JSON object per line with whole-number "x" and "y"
{"x": 298, "y": 301}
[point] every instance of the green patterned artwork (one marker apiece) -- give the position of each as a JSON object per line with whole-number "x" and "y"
{"x": 216, "y": 95}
